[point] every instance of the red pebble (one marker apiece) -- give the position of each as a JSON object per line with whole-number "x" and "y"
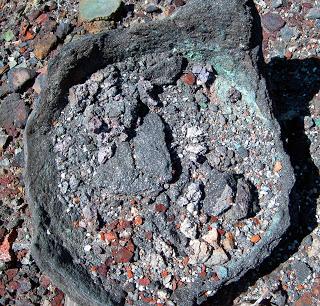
{"x": 122, "y": 255}
{"x": 160, "y": 208}
{"x": 144, "y": 281}
{"x": 189, "y": 78}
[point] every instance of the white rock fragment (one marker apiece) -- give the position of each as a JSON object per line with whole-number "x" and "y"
{"x": 104, "y": 154}
{"x": 195, "y": 149}
{"x": 217, "y": 257}
{"x": 87, "y": 248}
{"x": 199, "y": 252}
{"x": 193, "y": 132}
{"x": 188, "y": 229}
{"x": 211, "y": 237}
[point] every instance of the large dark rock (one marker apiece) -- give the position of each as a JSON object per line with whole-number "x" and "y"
{"x": 220, "y": 32}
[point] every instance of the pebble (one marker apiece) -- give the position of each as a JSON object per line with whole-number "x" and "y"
{"x": 3, "y": 139}
{"x": 218, "y": 257}
{"x": 314, "y": 13}
{"x": 63, "y": 29}
{"x": 272, "y": 22}
{"x": 151, "y": 8}
{"x": 308, "y": 123}
{"x": 276, "y": 3}
{"x": 44, "y": 45}
{"x": 18, "y": 77}
{"x": 211, "y": 237}
{"x": 13, "y": 112}
{"x": 189, "y": 79}
{"x": 188, "y": 229}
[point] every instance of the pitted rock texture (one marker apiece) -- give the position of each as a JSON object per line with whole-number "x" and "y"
{"x": 167, "y": 180}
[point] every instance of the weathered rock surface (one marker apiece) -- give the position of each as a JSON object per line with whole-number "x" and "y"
{"x": 90, "y": 10}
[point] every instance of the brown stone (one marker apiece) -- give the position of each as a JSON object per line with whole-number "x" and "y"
{"x": 122, "y": 255}
{"x": 44, "y": 45}
{"x": 189, "y": 79}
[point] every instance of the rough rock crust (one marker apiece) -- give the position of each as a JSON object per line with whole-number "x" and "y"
{"x": 222, "y": 34}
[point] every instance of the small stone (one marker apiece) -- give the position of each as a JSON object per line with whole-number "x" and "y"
{"x": 193, "y": 132}
{"x": 308, "y": 123}
{"x": 314, "y": 13}
{"x": 90, "y": 10}
{"x": 18, "y": 77}
{"x": 219, "y": 193}
{"x": 277, "y": 167}
{"x": 161, "y": 208}
{"x": 151, "y": 8}
{"x": 217, "y": 257}
{"x": 123, "y": 255}
{"x": 40, "y": 83}
{"x": 314, "y": 249}
{"x": 144, "y": 281}
{"x": 302, "y": 270}
{"x": 188, "y": 228}
{"x": 229, "y": 242}
{"x": 3, "y": 139}
{"x": 5, "y": 247}
{"x": 255, "y": 238}
{"x": 211, "y": 237}
{"x": 87, "y": 248}
{"x": 242, "y": 205}
{"x": 63, "y": 29}
{"x": 234, "y": 95}
{"x": 178, "y": 3}
{"x": 44, "y": 45}
{"x": 272, "y": 22}
{"x": 276, "y": 3}
{"x": 138, "y": 220}
{"x": 13, "y": 112}
{"x": 199, "y": 252}
{"x": 189, "y": 79}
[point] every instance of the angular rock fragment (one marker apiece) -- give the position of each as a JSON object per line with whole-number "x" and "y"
{"x": 18, "y": 77}
{"x": 220, "y": 193}
{"x": 145, "y": 168}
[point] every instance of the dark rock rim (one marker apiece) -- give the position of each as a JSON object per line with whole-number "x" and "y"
{"x": 234, "y": 53}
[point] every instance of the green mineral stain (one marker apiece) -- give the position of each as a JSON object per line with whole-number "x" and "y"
{"x": 8, "y": 36}
{"x": 97, "y": 9}
{"x": 317, "y": 122}
{"x": 203, "y": 105}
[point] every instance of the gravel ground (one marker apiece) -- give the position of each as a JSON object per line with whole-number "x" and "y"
{"x": 32, "y": 32}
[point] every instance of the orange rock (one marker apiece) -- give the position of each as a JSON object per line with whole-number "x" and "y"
{"x": 44, "y": 45}
{"x": 5, "y": 250}
{"x": 110, "y": 236}
{"x": 164, "y": 273}
{"x": 129, "y": 273}
{"x": 255, "y": 238}
{"x": 277, "y": 166}
{"x": 138, "y": 220}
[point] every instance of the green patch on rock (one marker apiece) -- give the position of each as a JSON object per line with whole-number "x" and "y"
{"x": 90, "y": 10}
{"x": 8, "y": 35}
{"x": 317, "y": 122}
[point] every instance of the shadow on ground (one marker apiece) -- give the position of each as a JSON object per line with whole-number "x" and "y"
{"x": 292, "y": 85}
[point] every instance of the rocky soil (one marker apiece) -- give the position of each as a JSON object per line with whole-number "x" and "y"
{"x": 33, "y": 32}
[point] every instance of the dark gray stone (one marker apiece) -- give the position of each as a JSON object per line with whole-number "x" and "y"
{"x": 242, "y": 206}
{"x": 143, "y": 169}
{"x": 220, "y": 192}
